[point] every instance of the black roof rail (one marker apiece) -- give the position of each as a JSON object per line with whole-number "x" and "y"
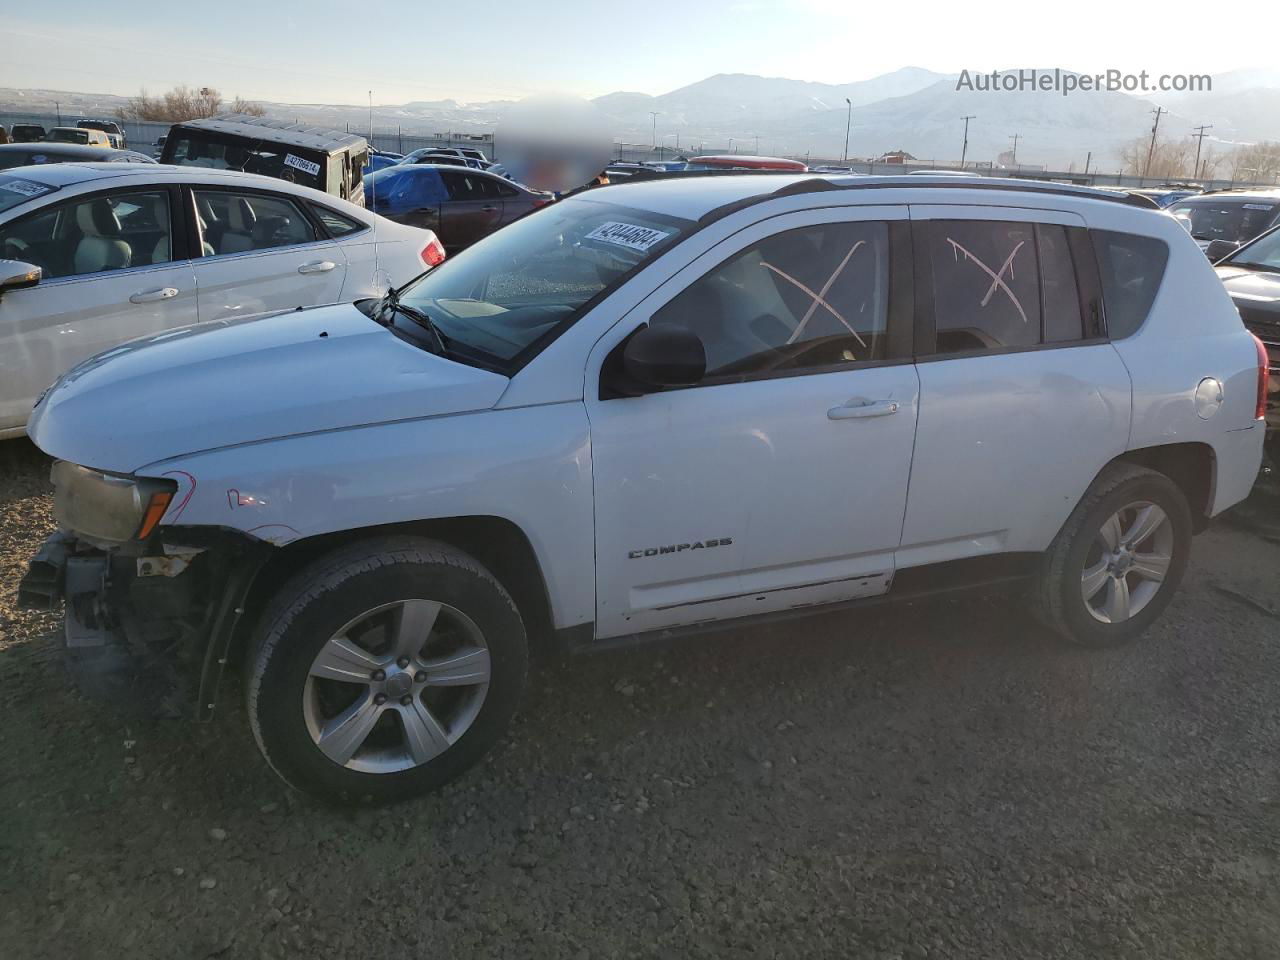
{"x": 816, "y": 184}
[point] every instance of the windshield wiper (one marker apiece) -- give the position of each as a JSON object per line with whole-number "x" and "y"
{"x": 391, "y": 304}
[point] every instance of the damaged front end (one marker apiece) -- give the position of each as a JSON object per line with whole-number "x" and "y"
{"x": 150, "y": 611}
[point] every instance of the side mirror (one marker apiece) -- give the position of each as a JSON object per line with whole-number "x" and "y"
{"x": 664, "y": 356}
{"x": 16, "y": 275}
{"x": 1218, "y": 249}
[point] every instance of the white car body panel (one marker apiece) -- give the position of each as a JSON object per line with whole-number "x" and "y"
{"x": 271, "y": 429}
{"x": 236, "y": 383}
{"x": 47, "y": 329}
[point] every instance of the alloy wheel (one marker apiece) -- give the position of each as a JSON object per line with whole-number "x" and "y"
{"x": 1128, "y": 561}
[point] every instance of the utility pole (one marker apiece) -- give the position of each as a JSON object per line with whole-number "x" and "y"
{"x": 1199, "y": 135}
{"x": 58, "y": 107}
{"x": 757, "y": 149}
{"x": 1152, "y": 149}
{"x": 964, "y": 150}
{"x": 1014, "y": 156}
{"x": 731, "y": 144}
{"x": 848, "y": 122}
{"x": 654, "y": 114}
{"x": 1088, "y": 160}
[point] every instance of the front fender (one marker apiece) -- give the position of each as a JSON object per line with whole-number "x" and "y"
{"x": 531, "y": 466}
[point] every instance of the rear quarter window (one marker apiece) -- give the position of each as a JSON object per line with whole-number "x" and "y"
{"x": 1131, "y": 269}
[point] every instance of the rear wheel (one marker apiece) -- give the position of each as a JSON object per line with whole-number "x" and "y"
{"x": 1119, "y": 558}
{"x": 385, "y": 670}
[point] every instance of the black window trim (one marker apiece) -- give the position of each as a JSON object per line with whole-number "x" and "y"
{"x": 177, "y": 226}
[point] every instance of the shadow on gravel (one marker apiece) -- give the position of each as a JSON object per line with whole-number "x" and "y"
{"x": 940, "y": 780}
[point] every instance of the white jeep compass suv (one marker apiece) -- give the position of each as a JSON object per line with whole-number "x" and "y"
{"x": 650, "y": 409}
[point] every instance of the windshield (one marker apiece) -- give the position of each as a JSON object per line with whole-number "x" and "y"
{"x": 1236, "y": 220}
{"x": 68, "y": 136}
{"x": 293, "y": 164}
{"x": 1263, "y": 254}
{"x": 16, "y": 190}
{"x": 529, "y": 280}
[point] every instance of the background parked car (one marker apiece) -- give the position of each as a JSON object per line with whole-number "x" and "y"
{"x": 112, "y": 129}
{"x": 26, "y": 133}
{"x": 460, "y": 205}
{"x": 120, "y": 258}
{"x": 324, "y": 159}
{"x": 1232, "y": 216}
{"x": 93, "y": 138}
{"x": 379, "y": 159}
{"x": 33, "y": 154}
{"x": 441, "y": 157}
{"x": 1252, "y": 277}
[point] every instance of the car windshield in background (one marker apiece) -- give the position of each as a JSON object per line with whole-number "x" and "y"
{"x": 16, "y": 190}
{"x": 68, "y": 136}
{"x": 520, "y": 285}
{"x": 1263, "y": 254}
{"x": 267, "y": 159}
{"x": 1236, "y": 220}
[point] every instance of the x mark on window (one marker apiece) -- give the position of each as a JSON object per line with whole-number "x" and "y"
{"x": 819, "y": 298}
{"x": 997, "y": 277}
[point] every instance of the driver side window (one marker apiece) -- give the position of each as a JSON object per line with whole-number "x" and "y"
{"x": 806, "y": 298}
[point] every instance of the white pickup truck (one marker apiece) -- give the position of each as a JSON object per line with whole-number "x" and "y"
{"x": 650, "y": 409}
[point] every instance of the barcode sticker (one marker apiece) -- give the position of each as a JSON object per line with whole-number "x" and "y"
{"x": 306, "y": 166}
{"x": 627, "y": 235}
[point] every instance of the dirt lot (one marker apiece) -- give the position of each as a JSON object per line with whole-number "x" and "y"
{"x": 934, "y": 781}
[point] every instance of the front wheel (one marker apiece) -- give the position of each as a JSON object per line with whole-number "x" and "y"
{"x": 1119, "y": 558}
{"x": 384, "y": 670}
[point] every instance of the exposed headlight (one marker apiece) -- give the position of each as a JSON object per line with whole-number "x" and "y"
{"x": 104, "y": 506}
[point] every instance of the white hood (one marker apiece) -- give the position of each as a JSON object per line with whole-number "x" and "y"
{"x": 230, "y": 383}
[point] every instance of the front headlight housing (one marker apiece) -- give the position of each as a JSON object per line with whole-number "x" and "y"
{"x": 108, "y": 507}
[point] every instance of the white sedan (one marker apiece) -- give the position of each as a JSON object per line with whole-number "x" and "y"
{"x": 126, "y": 250}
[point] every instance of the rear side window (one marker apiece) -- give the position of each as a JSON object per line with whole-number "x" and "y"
{"x": 1062, "y": 318}
{"x": 986, "y": 285}
{"x": 336, "y": 223}
{"x": 1131, "y": 269}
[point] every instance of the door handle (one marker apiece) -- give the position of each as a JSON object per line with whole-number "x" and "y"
{"x": 488, "y": 209}
{"x": 862, "y": 410}
{"x": 150, "y": 296}
{"x": 317, "y": 266}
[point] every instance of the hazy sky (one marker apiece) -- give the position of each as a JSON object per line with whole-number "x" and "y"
{"x": 324, "y": 51}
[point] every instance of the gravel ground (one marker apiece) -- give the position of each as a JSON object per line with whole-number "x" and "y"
{"x": 931, "y": 781}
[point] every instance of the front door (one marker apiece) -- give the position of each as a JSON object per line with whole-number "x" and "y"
{"x": 109, "y": 275}
{"x": 261, "y": 252}
{"x": 780, "y": 480}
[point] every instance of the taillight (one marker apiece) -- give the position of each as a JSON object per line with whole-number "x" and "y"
{"x": 433, "y": 253}
{"x": 1264, "y": 363}
{"x": 541, "y": 201}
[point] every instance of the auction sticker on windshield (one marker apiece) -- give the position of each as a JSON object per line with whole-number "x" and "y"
{"x": 28, "y": 188}
{"x": 627, "y": 235}
{"x": 306, "y": 166}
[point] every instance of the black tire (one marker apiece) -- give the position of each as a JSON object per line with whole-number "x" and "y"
{"x": 1059, "y": 600}
{"x": 339, "y": 588}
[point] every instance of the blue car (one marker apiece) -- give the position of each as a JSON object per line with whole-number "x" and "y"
{"x": 379, "y": 160}
{"x": 460, "y": 204}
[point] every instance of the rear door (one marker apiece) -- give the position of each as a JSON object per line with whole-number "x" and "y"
{"x": 473, "y": 209}
{"x": 261, "y": 251}
{"x": 114, "y": 268}
{"x": 1022, "y": 398}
